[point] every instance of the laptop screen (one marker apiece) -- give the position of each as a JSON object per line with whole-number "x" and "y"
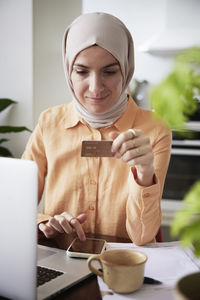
{"x": 18, "y": 231}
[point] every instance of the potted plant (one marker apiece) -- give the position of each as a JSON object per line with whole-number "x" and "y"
{"x": 175, "y": 99}
{"x": 186, "y": 224}
{"x": 4, "y": 104}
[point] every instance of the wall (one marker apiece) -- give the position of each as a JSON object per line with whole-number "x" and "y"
{"x": 173, "y": 24}
{"x": 31, "y": 69}
{"x": 50, "y": 20}
{"x": 16, "y": 68}
{"x": 143, "y": 18}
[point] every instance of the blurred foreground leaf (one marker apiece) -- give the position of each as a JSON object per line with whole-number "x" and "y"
{"x": 186, "y": 223}
{"x": 174, "y": 99}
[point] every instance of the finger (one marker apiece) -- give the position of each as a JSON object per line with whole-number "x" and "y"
{"x": 113, "y": 134}
{"x": 132, "y": 153}
{"x": 134, "y": 147}
{"x": 123, "y": 137}
{"x": 135, "y": 143}
{"x": 82, "y": 218}
{"x": 78, "y": 228}
{"x": 64, "y": 224}
{"x": 142, "y": 161}
{"x": 133, "y": 132}
{"x": 75, "y": 224}
{"x": 55, "y": 223}
{"x": 47, "y": 230}
{"x": 127, "y": 146}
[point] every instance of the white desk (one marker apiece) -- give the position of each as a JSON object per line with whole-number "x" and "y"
{"x": 167, "y": 262}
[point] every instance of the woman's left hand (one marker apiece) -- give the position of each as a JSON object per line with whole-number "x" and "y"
{"x": 134, "y": 148}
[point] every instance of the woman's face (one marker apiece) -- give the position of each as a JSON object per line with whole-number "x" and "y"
{"x": 97, "y": 80}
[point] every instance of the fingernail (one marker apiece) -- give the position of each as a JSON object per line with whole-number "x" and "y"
{"x": 117, "y": 155}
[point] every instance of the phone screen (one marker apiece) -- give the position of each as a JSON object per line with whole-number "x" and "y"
{"x": 89, "y": 246}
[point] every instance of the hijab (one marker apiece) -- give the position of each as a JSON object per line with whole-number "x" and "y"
{"x": 108, "y": 32}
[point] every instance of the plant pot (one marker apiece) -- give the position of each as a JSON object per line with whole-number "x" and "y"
{"x": 188, "y": 287}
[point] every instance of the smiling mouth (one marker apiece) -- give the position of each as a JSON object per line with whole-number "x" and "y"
{"x": 97, "y": 99}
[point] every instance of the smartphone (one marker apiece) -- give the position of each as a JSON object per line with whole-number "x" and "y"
{"x": 84, "y": 249}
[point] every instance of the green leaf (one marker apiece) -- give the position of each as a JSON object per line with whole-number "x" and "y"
{"x": 5, "y": 152}
{"x": 192, "y": 55}
{"x": 186, "y": 223}
{"x": 9, "y": 129}
{"x": 197, "y": 248}
{"x": 181, "y": 219}
{"x": 191, "y": 232}
{"x": 3, "y": 140}
{"x": 173, "y": 98}
{"x": 4, "y": 103}
{"x": 192, "y": 198}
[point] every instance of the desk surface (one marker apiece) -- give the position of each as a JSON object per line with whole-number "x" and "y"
{"x": 87, "y": 289}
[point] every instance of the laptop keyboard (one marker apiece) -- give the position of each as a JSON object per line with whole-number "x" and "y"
{"x": 44, "y": 275}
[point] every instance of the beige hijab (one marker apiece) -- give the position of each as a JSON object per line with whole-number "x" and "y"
{"x": 111, "y": 34}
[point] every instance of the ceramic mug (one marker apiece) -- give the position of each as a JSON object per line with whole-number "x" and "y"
{"x": 188, "y": 287}
{"x": 121, "y": 270}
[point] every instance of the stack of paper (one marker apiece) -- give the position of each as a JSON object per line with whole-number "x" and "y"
{"x": 167, "y": 262}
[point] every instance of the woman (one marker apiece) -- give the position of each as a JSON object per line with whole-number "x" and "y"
{"x": 117, "y": 195}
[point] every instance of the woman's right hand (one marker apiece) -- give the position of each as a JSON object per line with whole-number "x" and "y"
{"x": 64, "y": 223}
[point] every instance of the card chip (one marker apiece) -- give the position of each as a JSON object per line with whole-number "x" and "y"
{"x": 96, "y": 149}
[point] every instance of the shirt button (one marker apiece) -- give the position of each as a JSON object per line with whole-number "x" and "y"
{"x": 91, "y": 207}
{"x": 146, "y": 195}
{"x": 92, "y": 181}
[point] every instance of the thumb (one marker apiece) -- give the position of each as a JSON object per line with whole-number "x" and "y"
{"x": 82, "y": 217}
{"x": 113, "y": 135}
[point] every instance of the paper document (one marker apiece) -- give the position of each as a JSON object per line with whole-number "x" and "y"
{"x": 166, "y": 262}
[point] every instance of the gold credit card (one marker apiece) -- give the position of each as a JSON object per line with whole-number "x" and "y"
{"x": 96, "y": 149}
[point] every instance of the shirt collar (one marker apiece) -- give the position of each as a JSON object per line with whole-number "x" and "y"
{"x": 72, "y": 118}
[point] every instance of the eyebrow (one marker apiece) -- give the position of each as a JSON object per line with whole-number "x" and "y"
{"x": 107, "y": 66}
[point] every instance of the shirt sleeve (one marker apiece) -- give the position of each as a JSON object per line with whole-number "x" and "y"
{"x": 143, "y": 209}
{"x": 35, "y": 151}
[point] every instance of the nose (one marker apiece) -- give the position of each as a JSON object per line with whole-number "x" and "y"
{"x": 96, "y": 85}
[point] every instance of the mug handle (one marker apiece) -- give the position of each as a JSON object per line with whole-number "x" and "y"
{"x": 93, "y": 269}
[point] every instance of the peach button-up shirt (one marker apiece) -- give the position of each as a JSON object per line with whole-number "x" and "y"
{"x": 104, "y": 188}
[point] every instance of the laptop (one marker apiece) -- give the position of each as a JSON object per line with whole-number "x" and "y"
{"x": 20, "y": 257}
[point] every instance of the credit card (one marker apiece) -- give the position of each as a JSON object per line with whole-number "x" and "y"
{"x": 96, "y": 149}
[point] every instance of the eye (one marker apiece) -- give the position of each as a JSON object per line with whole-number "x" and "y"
{"x": 80, "y": 72}
{"x": 111, "y": 71}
